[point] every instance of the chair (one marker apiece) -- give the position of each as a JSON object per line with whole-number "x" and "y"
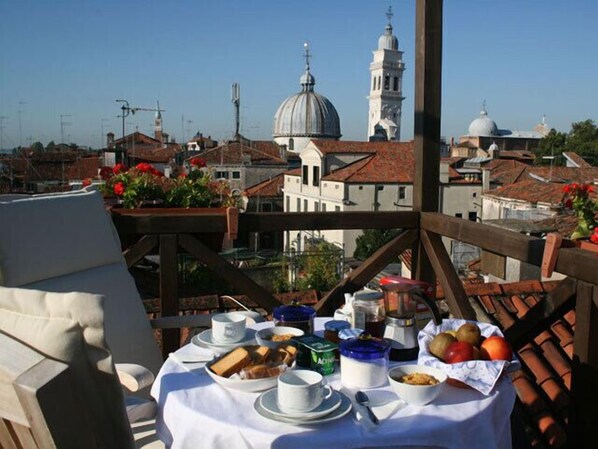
{"x": 67, "y": 243}
{"x": 31, "y": 386}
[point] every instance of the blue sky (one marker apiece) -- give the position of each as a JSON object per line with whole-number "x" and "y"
{"x": 75, "y": 57}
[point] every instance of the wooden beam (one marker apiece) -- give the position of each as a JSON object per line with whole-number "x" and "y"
{"x": 428, "y": 95}
{"x": 366, "y": 271}
{"x": 574, "y": 262}
{"x": 226, "y": 271}
{"x": 454, "y": 291}
{"x": 544, "y": 312}
{"x": 140, "y": 249}
{"x": 169, "y": 303}
{"x": 583, "y": 415}
{"x": 285, "y": 221}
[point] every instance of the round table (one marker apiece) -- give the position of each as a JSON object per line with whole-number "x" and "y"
{"x": 195, "y": 412}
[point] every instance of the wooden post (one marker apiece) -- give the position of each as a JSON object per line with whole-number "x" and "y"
{"x": 169, "y": 302}
{"x": 428, "y": 80}
{"x": 583, "y": 419}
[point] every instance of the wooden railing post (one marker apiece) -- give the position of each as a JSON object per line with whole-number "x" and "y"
{"x": 428, "y": 83}
{"x": 583, "y": 419}
{"x": 169, "y": 302}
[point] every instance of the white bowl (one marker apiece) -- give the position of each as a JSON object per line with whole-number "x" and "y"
{"x": 416, "y": 394}
{"x": 264, "y": 336}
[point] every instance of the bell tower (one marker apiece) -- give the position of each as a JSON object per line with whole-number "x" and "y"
{"x": 386, "y": 86}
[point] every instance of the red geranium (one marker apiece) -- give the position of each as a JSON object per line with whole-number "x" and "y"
{"x": 119, "y": 188}
{"x": 144, "y": 167}
{"x": 106, "y": 173}
{"x": 86, "y": 182}
{"x": 198, "y": 162}
{"x": 120, "y": 168}
{"x": 594, "y": 236}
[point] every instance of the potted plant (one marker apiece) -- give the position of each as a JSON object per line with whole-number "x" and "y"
{"x": 578, "y": 198}
{"x": 143, "y": 190}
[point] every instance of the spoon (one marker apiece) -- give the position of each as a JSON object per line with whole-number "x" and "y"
{"x": 362, "y": 399}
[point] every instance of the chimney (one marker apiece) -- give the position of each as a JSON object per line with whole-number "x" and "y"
{"x": 202, "y": 145}
{"x": 485, "y": 180}
{"x": 110, "y": 141}
{"x": 444, "y": 172}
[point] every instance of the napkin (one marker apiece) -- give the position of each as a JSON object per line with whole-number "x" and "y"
{"x": 481, "y": 375}
{"x": 188, "y": 353}
{"x": 383, "y": 404}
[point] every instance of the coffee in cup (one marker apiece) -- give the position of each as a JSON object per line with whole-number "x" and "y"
{"x": 301, "y": 391}
{"x": 228, "y": 327}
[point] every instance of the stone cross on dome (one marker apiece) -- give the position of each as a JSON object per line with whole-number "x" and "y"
{"x": 307, "y": 55}
{"x": 389, "y": 13}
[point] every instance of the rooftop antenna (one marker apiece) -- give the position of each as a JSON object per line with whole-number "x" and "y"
{"x": 551, "y": 158}
{"x": 21, "y": 103}
{"x": 62, "y": 125}
{"x": 2, "y": 118}
{"x": 236, "y": 100}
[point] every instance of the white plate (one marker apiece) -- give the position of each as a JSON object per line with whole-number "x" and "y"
{"x": 342, "y": 410}
{"x": 269, "y": 401}
{"x": 204, "y": 340}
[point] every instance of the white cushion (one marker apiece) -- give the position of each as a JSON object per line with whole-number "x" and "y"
{"x": 128, "y": 330}
{"x": 54, "y": 235}
{"x": 69, "y": 328}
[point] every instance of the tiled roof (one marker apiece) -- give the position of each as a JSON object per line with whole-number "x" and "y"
{"x": 268, "y": 188}
{"x": 556, "y": 174}
{"x": 389, "y": 164}
{"x": 149, "y": 153}
{"x": 503, "y": 171}
{"x": 350, "y": 146}
{"x": 576, "y": 159}
{"x": 293, "y": 172}
{"x": 234, "y": 153}
{"x": 544, "y": 382}
{"x": 86, "y": 167}
{"x": 532, "y": 191}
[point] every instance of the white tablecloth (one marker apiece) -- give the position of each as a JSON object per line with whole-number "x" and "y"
{"x": 194, "y": 413}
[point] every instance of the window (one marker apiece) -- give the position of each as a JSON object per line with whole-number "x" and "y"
{"x": 221, "y": 174}
{"x": 374, "y": 84}
{"x": 395, "y": 83}
{"x": 305, "y": 174}
{"x": 379, "y": 188}
{"x": 316, "y": 206}
{"x": 336, "y": 186}
{"x": 475, "y": 194}
{"x": 379, "y": 79}
{"x": 473, "y": 216}
{"x": 298, "y": 205}
{"x": 401, "y": 193}
{"x": 323, "y": 207}
{"x": 291, "y": 144}
{"x": 288, "y": 204}
{"x": 459, "y": 215}
{"x": 386, "y": 82}
{"x": 236, "y": 175}
{"x": 360, "y": 187}
{"x": 305, "y": 207}
{"x": 316, "y": 178}
{"x": 337, "y": 208}
{"x": 267, "y": 207}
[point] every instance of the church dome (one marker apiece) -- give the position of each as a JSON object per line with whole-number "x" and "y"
{"x": 483, "y": 125}
{"x": 307, "y": 114}
{"x": 388, "y": 41}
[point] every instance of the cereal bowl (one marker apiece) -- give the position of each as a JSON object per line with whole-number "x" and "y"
{"x": 416, "y": 394}
{"x": 273, "y": 337}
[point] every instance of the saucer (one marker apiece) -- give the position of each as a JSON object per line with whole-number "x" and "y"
{"x": 269, "y": 401}
{"x": 343, "y": 408}
{"x": 204, "y": 340}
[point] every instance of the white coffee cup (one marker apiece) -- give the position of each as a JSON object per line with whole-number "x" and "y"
{"x": 228, "y": 327}
{"x": 301, "y": 391}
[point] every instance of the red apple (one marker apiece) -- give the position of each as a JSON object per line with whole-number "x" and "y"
{"x": 459, "y": 351}
{"x": 496, "y": 348}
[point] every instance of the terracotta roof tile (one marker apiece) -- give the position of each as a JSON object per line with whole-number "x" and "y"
{"x": 268, "y": 188}
{"x": 576, "y": 158}
{"x": 237, "y": 153}
{"x": 350, "y": 146}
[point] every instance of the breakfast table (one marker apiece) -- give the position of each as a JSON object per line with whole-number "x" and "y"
{"x": 195, "y": 412}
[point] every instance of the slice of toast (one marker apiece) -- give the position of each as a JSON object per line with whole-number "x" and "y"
{"x": 231, "y": 363}
{"x": 259, "y": 354}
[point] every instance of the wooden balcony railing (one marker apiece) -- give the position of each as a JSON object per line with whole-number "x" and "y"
{"x": 170, "y": 234}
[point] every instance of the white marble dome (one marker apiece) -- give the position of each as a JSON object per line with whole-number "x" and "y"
{"x": 305, "y": 115}
{"x": 388, "y": 41}
{"x": 483, "y": 125}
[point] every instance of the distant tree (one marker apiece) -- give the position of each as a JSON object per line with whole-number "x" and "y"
{"x": 51, "y": 146}
{"x": 37, "y": 147}
{"x": 552, "y": 144}
{"x": 371, "y": 240}
{"x": 582, "y": 139}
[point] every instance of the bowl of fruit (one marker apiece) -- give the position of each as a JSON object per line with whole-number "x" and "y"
{"x": 473, "y": 354}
